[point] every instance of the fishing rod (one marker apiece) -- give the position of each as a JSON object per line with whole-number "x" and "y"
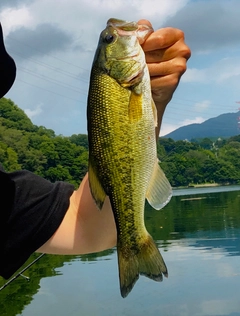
{"x": 21, "y": 273}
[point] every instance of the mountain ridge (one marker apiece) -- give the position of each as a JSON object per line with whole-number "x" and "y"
{"x": 224, "y": 125}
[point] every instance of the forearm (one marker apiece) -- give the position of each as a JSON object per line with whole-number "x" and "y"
{"x": 97, "y": 227}
{"x": 84, "y": 229}
{"x": 162, "y": 97}
{"x": 161, "y": 106}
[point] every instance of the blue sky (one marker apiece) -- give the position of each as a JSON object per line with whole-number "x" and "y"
{"x": 53, "y": 44}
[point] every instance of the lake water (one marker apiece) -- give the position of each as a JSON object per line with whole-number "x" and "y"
{"x": 198, "y": 234}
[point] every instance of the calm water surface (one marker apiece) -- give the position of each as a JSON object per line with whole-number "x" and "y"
{"x": 198, "y": 234}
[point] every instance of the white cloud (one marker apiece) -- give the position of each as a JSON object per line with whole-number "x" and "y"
{"x": 201, "y": 106}
{"x": 194, "y": 75}
{"x": 138, "y": 8}
{"x": 230, "y": 69}
{"x": 196, "y": 120}
{"x": 11, "y": 19}
{"x": 206, "y": 24}
{"x": 167, "y": 128}
{"x": 148, "y": 9}
{"x": 35, "y": 112}
{"x": 219, "y": 72}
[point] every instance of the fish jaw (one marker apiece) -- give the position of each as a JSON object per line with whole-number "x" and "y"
{"x": 119, "y": 54}
{"x": 126, "y": 28}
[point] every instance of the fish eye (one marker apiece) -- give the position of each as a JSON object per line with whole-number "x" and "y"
{"x": 109, "y": 38}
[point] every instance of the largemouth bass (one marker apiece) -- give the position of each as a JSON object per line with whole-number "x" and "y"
{"x": 123, "y": 161}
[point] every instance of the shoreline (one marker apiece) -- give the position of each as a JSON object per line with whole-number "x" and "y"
{"x": 203, "y": 185}
{"x": 207, "y": 185}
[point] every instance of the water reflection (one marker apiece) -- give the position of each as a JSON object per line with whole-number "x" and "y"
{"x": 199, "y": 240}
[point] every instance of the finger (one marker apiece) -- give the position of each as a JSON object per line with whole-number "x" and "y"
{"x": 159, "y": 55}
{"x": 162, "y": 38}
{"x": 163, "y": 89}
{"x": 144, "y": 22}
{"x": 144, "y": 30}
{"x": 163, "y": 83}
{"x": 179, "y": 49}
{"x": 177, "y": 65}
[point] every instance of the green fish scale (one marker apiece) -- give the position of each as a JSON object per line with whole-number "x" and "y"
{"x": 121, "y": 156}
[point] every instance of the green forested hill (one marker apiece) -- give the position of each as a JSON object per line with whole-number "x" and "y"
{"x": 35, "y": 148}
{"x": 201, "y": 162}
{"x": 24, "y": 145}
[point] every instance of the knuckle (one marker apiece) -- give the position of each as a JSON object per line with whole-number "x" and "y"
{"x": 183, "y": 49}
{"x": 180, "y": 33}
{"x": 180, "y": 65}
{"x": 186, "y": 52}
{"x": 174, "y": 80}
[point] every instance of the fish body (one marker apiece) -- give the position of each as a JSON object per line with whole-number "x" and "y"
{"x": 122, "y": 148}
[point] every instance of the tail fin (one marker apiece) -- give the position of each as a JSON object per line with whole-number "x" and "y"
{"x": 145, "y": 260}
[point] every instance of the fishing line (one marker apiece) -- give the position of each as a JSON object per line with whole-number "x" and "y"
{"x": 21, "y": 273}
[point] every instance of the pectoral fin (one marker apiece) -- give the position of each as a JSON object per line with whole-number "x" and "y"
{"x": 96, "y": 188}
{"x": 159, "y": 190}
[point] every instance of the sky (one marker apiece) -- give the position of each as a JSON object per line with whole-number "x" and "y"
{"x": 53, "y": 44}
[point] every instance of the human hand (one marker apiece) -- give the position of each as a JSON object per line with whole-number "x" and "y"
{"x": 166, "y": 56}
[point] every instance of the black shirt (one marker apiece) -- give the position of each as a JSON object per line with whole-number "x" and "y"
{"x": 31, "y": 210}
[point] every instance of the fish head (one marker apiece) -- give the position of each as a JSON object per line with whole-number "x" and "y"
{"x": 119, "y": 53}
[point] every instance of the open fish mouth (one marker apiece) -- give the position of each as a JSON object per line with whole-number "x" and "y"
{"x": 131, "y": 28}
{"x": 124, "y": 27}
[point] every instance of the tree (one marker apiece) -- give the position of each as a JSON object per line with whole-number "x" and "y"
{"x": 11, "y": 163}
{"x": 58, "y": 173}
{"x": 41, "y": 130}
{"x": 12, "y": 116}
{"x": 79, "y": 140}
{"x": 168, "y": 144}
{"x": 206, "y": 143}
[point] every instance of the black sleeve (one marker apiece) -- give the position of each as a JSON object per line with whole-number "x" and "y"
{"x": 31, "y": 210}
{"x": 7, "y": 68}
